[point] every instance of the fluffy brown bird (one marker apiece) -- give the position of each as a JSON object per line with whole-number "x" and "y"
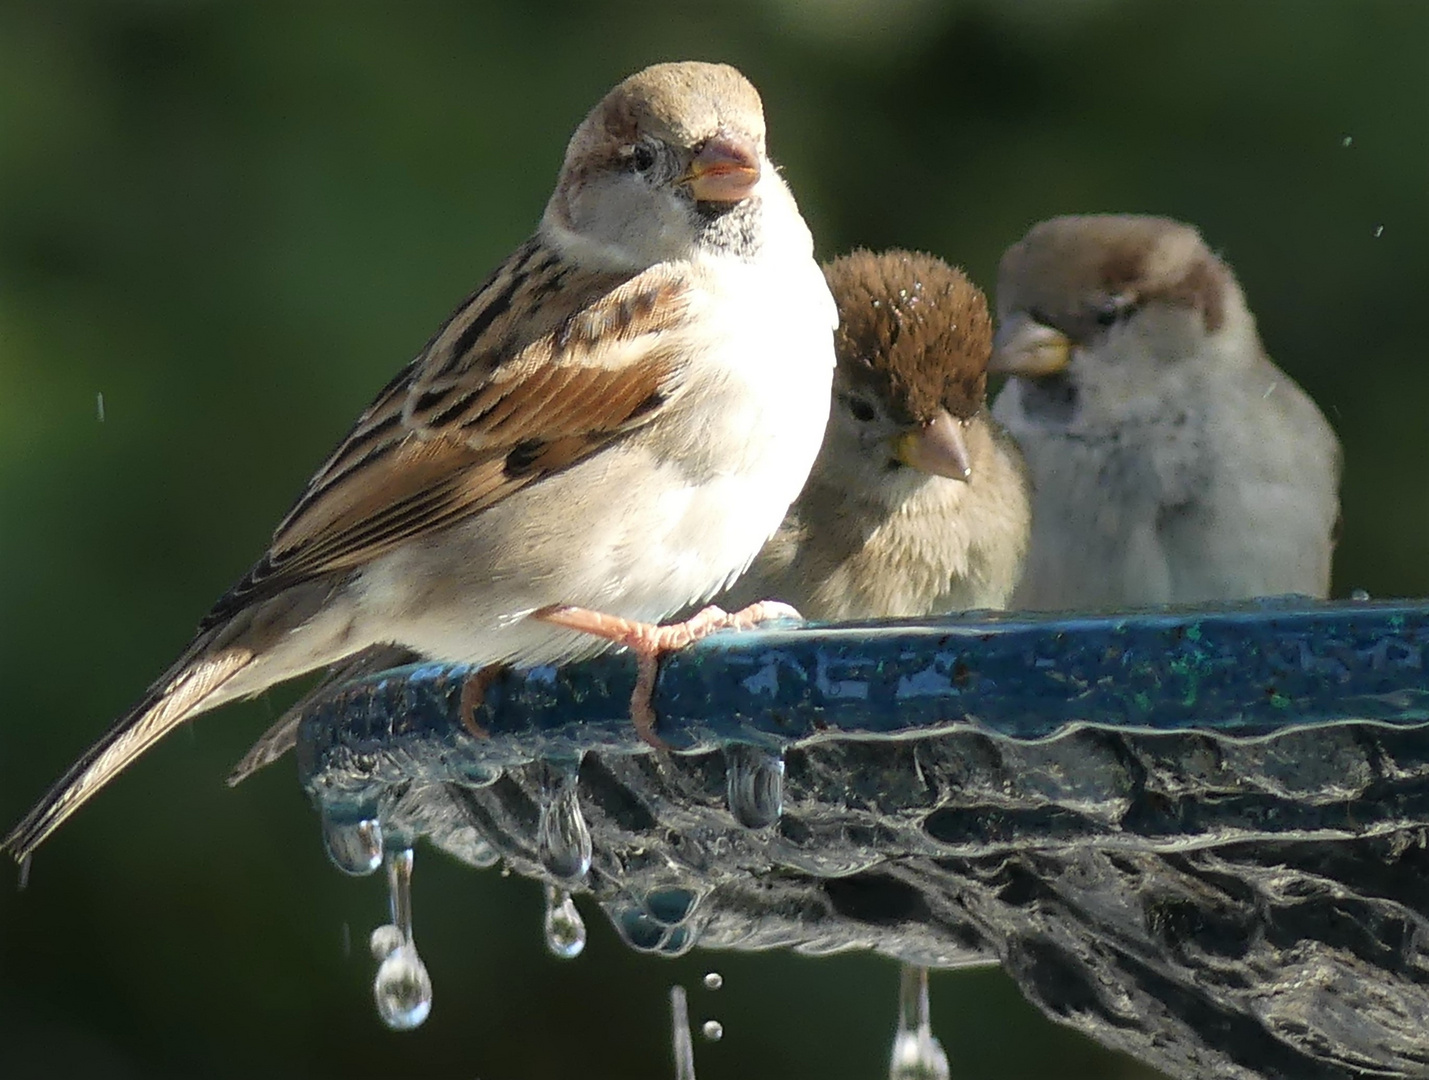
{"x": 918, "y": 503}
{"x": 617, "y": 420}
{"x": 1172, "y": 461}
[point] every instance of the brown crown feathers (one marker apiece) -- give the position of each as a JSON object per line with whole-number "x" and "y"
{"x": 914, "y": 329}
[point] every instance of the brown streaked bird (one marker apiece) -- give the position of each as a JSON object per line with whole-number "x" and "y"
{"x": 616, "y": 420}
{"x": 1172, "y": 461}
{"x": 918, "y": 502}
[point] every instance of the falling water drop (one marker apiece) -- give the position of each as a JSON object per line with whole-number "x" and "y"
{"x": 562, "y": 835}
{"x": 684, "y": 1046}
{"x": 1347, "y": 141}
{"x": 917, "y": 1055}
{"x": 402, "y": 988}
{"x": 565, "y": 930}
{"x": 712, "y": 1030}
{"x": 754, "y": 779}
{"x": 714, "y": 980}
{"x": 385, "y": 940}
{"x": 1378, "y": 231}
{"x": 353, "y": 841}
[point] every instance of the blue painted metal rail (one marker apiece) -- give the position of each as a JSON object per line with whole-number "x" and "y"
{"x": 1250, "y": 670}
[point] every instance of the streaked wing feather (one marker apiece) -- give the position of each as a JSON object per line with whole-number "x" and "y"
{"x": 527, "y": 378}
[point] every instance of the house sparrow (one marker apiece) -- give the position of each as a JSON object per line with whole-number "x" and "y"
{"x": 1172, "y": 461}
{"x": 918, "y": 503}
{"x": 617, "y": 419}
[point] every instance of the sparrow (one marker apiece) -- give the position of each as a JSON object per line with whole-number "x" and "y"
{"x": 616, "y": 420}
{"x": 1173, "y": 463}
{"x": 918, "y": 503}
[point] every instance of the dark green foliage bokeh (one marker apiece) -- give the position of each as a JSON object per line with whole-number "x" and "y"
{"x": 235, "y": 221}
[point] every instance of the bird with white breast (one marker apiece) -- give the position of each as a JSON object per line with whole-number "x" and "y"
{"x": 616, "y": 420}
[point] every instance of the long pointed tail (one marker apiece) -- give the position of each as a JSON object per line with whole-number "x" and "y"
{"x": 187, "y": 688}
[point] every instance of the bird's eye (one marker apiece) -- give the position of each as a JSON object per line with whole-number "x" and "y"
{"x": 1114, "y": 310}
{"x": 642, "y": 157}
{"x": 861, "y": 410}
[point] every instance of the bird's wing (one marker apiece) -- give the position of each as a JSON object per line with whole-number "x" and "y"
{"x": 545, "y": 364}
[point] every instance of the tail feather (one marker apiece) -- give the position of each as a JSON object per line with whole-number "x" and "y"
{"x": 283, "y": 735}
{"x": 187, "y": 688}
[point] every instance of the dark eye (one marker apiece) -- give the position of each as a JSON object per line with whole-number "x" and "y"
{"x": 642, "y": 157}
{"x": 1114, "y": 310}
{"x": 862, "y": 411}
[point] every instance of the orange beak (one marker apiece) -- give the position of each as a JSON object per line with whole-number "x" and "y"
{"x": 725, "y": 170}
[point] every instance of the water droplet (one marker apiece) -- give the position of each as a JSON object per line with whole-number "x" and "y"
{"x": 1347, "y": 141}
{"x": 1359, "y": 594}
{"x": 562, "y": 835}
{"x": 353, "y": 842}
{"x": 402, "y": 989}
{"x": 99, "y": 406}
{"x": 680, "y": 1032}
{"x": 672, "y": 905}
{"x": 714, "y": 980}
{"x": 346, "y": 939}
{"x": 679, "y": 942}
{"x": 1378, "y": 231}
{"x": 712, "y": 1030}
{"x": 385, "y": 940}
{"x": 754, "y": 782}
{"x": 636, "y": 928}
{"x": 917, "y": 1055}
{"x": 565, "y": 929}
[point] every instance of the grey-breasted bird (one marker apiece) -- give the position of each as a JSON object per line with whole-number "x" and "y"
{"x": 1171, "y": 461}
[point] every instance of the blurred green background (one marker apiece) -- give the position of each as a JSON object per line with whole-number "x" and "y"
{"x": 235, "y": 221}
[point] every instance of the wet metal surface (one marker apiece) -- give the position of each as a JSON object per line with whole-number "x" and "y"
{"x": 1199, "y": 837}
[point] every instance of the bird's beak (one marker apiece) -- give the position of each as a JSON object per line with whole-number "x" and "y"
{"x": 937, "y": 447}
{"x": 1028, "y": 348}
{"x": 725, "y": 170}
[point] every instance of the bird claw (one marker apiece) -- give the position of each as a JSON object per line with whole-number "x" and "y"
{"x": 649, "y": 642}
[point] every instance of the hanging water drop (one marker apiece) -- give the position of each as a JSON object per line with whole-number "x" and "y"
{"x": 684, "y": 1046}
{"x": 917, "y": 1055}
{"x": 402, "y": 989}
{"x": 562, "y": 835}
{"x": 1359, "y": 595}
{"x": 385, "y": 940}
{"x": 714, "y": 980}
{"x": 353, "y": 841}
{"x": 565, "y": 929}
{"x": 754, "y": 783}
{"x": 713, "y": 1030}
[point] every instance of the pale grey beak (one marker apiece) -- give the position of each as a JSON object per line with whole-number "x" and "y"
{"x": 937, "y": 447}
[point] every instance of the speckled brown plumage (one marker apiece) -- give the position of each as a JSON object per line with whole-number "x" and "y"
{"x": 890, "y": 338}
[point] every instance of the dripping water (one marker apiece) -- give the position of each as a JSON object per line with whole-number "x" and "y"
{"x": 565, "y": 929}
{"x": 684, "y": 1045}
{"x": 917, "y": 1055}
{"x": 754, "y": 782}
{"x": 563, "y": 839}
{"x": 353, "y": 840}
{"x": 402, "y": 988}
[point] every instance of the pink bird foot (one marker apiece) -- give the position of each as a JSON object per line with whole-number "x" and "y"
{"x": 650, "y": 642}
